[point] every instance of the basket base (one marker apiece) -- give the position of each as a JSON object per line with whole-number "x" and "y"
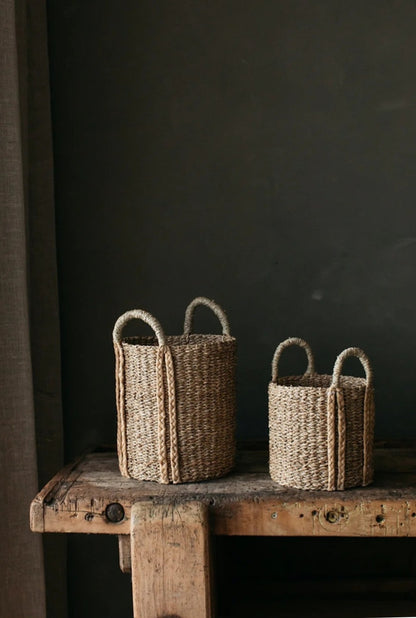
{"x": 183, "y": 481}
{"x": 316, "y": 487}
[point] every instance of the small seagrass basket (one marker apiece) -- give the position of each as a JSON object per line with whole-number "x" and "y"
{"x": 321, "y": 427}
{"x": 175, "y": 400}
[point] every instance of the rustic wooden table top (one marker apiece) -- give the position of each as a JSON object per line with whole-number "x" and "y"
{"x": 90, "y": 496}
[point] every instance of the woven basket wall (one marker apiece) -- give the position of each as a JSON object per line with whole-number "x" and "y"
{"x": 321, "y": 427}
{"x": 175, "y": 401}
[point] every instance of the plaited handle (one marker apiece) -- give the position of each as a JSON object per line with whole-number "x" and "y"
{"x": 285, "y": 344}
{"x": 336, "y": 375}
{"x": 138, "y": 314}
{"x": 219, "y": 312}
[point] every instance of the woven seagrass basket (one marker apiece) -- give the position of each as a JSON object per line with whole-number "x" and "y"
{"x": 175, "y": 400}
{"x": 321, "y": 427}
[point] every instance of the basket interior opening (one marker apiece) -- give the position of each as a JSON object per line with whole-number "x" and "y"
{"x": 178, "y": 340}
{"x": 320, "y": 381}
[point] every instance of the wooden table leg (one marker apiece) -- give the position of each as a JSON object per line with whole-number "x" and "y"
{"x": 124, "y": 552}
{"x": 170, "y": 560}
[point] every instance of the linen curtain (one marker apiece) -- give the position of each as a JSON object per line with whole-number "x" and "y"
{"x": 30, "y": 402}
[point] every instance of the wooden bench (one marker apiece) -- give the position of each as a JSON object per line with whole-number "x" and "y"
{"x": 164, "y": 530}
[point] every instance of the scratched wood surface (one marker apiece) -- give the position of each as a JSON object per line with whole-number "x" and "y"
{"x": 90, "y": 496}
{"x": 170, "y": 545}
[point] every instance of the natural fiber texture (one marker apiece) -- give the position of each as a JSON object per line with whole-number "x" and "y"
{"x": 175, "y": 401}
{"x": 201, "y": 300}
{"x": 321, "y": 427}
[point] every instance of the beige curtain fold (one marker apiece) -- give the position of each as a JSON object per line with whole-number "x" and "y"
{"x": 30, "y": 402}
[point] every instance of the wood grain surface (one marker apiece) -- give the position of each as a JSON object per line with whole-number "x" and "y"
{"x": 170, "y": 545}
{"x": 90, "y": 496}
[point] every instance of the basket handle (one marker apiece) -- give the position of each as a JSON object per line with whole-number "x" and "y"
{"x": 336, "y": 405}
{"x": 138, "y": 314}
{"x": 336, "y": 374}
{"x": 219, "y": 312}
{"x": 287, "y": 343}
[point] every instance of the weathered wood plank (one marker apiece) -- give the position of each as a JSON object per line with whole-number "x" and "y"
{"x": 327, "y": 516}
{"x": 92, "y": 496}
{"x": 49, "y": 492}
{"x": 170, "y": 544}
{"x": 124, "y": 553}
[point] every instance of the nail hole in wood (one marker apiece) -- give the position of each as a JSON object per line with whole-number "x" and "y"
{"x": 379, "y": 519}
{"x": 332, "y": 517}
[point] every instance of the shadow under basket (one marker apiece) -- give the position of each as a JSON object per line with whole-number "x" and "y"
{"x": 175, "y": 401}
{"x": 321, "y": 426}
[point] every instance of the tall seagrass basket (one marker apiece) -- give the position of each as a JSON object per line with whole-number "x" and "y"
{"x": 321, "y": 427}
{"x": 175, "y": 400}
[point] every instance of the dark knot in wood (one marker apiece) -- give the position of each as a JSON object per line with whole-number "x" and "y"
{"x": 114, "y": 512}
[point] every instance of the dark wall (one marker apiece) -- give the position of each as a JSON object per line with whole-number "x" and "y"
{"x": 260, "y": 153}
